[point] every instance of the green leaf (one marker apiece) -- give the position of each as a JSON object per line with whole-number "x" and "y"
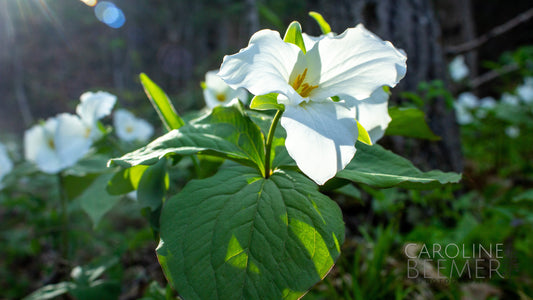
{"x": 227, "y": 132}
{"x": 51, "y": 291}
{"x": 409, "y": 122}
{"x": 166, "y": 111}
{"x": 237, "y": 235}
{"x": 95, "y": 200}
{"x": 265, "y": 102}
{"x": 153, "y": 185}
{"x": 324, "y": 26}
{"x": 380, "y": 168}
{"x": 125, "y": 180}
{"x": 363, "y": 135}
{"x": 293, "y": 35}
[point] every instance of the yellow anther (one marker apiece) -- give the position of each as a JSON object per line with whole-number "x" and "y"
{"x": 304, "y": 89}
{"x": 221, "y": 97}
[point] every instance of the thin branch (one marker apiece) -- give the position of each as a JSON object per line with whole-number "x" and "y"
{"x": 496, "y": 31}
{"x": 491, "y": 75}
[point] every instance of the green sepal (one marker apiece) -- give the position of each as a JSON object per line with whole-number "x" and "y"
{"x": 293, "y": 35}
{"x": 363, "y": 134}
{"x": 166, "y": 111}
{"x": 266, "y": 102}
{"x": 324, "y": 26}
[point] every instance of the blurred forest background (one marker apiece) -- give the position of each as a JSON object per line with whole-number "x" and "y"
{"x": 53, "y": 51}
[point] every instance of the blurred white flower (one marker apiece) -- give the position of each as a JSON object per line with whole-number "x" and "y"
{"x": 57, "y": 143}
{"x": 130, "y": 128}
{"x": 512, "y": 131}
{"x": 510, "y": 99}
{"x": 525, "y": 91}
{"x": 93, "y": 107}
{"x": 458, "y": 69}
{"x": 468, "y": 100}
{"x": 218, "y": 93}
{"x": 486, "y": 104}
{"x": 6, "y": 165}
{"x": 463, "y": 106}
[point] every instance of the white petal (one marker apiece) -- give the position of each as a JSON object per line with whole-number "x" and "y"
{"x": 320, "y": 137}
{"x": 373, "y": 113}
{"x": 39, "y": 146}
{"x": 129, "y": 128}
{"x": 264, "y": 66}
{"x": 355, "y": 64}
{"x": 143, "y": 130}
{"x": 6, "y": 165}
{"x": 94, "y": 106}
{"x": 72, "y": 139}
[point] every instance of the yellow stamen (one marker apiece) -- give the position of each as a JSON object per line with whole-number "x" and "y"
{"x": 221, "y": 97}
{"x": 304, "y": 89}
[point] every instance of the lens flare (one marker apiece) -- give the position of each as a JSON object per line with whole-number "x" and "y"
{"x": 90, "y": 2}
{"x": 109, "y": 14}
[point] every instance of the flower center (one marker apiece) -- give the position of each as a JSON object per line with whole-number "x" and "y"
{"x": 304, "y": 89}
{"x": 51, "y": 144}
{"x": 221, "y": 97}
{"x": 129, "y": 129}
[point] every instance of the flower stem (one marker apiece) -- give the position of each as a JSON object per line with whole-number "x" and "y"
{"x": 270, "y": 138}
{"x": 64, "y": 215}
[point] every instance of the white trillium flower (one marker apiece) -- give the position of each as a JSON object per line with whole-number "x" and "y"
{"x": 6, "y": 165}
{"x": 510, "y": 99}
{"x": 321, "y": 133}
{"x": 512, "y": 131}
{"x": 372, "y": 112}
{"x": 93, "y": 107}
{"x": 58, "y": 143}
{"x": 525, "y": 91}
{"x": 458, "y": 69}
{"x": 218, "y": 93}
{"x": 130, "y": 128}
{"x": 463, "y": 106}
{"x": 486, "y": 104}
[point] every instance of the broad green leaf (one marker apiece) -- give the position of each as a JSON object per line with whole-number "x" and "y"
{"x": 153, "y": 185}
{"x": 293, "y": 35}
{"x": 363, "y": 135}
{"x": 324, "y": 26}
{"x": 380, "y": 168}
{"x": 126, "y": 180}
{"x": 265, "y": 102}
{"x": 409, "y": 122}
{"x": 166, "y": 111}
{"x": 237, "y": 235}
{"x": 95, "y": 200}
{"x": 227, "y": 132}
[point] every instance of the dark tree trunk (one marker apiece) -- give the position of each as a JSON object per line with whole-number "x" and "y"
{"x": 412, "y": 26}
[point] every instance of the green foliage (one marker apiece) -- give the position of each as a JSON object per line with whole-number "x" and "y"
{"x": 381, "y": 168}
{"x": 161, "y": 103}
{"x": 226, "y": 132}
{"x": 244, "y": 236}
{"x": 409, "y": 122}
